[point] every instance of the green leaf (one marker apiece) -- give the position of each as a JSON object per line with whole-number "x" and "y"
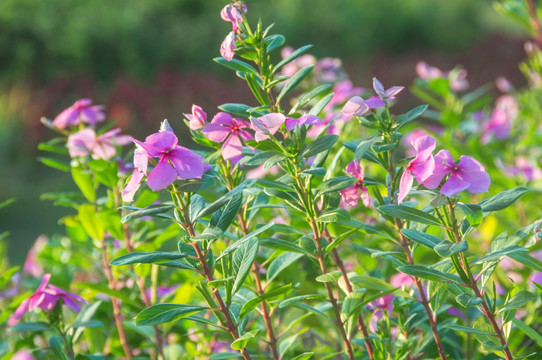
{"x": 304, "y": 356}
{"x": 254, "y": 86}
{"x": 87, "y": 324}
{"x": 111, "y": 222}
{"x": 57, "y": 345}
{"x": 297, "y": 53}
{"x": 529, "y": 331}
{"x": 467, "y": 301}
{"x": 420, "y": 237}
{"x": 55, "y": 164}
{"x": 527, "y": 260}
{"x": 363, "y": 147}
{"x": 261, "y": 157}
{"x": 467, "y": 330}
{"x": 252, "y": 303}
{"x": 157, "y": 210}
{"x": 243, "y": 340}
{"x": 321, "y": 104}
{"x": 239, "y": 110}
{"x": 236, "y": 65}
{"x": 161, "y": 258}
{"x": 307, "y": 97}
{"x": 210, "y": 233}
{"x": 428, "y": 273}
{"x": 294, "y": 81}
{"x": 83, "y": 179}
{"x": 333, "y": 215}
{"x": 163, "y": 313}
{"x": 274, "y": 41}
{"x": 197, "y": 204}
{"x": 271, "y": 184}
{"x": 473, "y": 212}
{"x": 244, "y": 239}
{"x": 407, "y": 213}
{"x": 281, "y": 263}
{"x": 374, "y": 284}
{"x": 319, "y": 145}
{"x": 411, "y": 115}
{"x": 447, "y": 248}
{"x": 329, "y": 277}
{"x": 521, "y": 298}
{"x": 281, "y": 244}
{"x": 499, "y": 254}
{"x": 31, "y": 326}
{"x": 226, "y": 356}
{"x": 86, "y": 314}
{"x": 230, "y": 212}
{"x": 90, "y": 222}
{"x": 243, "y": 258}
{"x": 295, "y": 299}
{"x": 220, "y": 202}
{"x": 335, "y": 184}
{"x": 503, "y": 199}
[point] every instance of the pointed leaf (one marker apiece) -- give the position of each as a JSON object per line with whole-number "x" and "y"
{"x": 163, "y": 313}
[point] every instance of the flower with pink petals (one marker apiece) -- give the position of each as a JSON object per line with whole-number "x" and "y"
{"x": 140, "y": 171}
{"x": 267, "y": 125}
{"x": 198, "y": 118}
{"x": 175, "y": 161}
{"x": 22, "y": 355}
{"x": 31, "y": 265}
{"x": 45, "y": 298}
{"x": 502, "y": 118}
{"x": 351, "y": 194}
{"x": 386, "y": 94}
{"x": 420, "y": 167}
{"x": 227, "y": 48}
{"x": 342, "y": 91}
{"x": 85, "y": 142}
{"x": 292, "y": 67}
{"x": 305, "y": 119}
{"x": 356, "y": 106}
{"x": 469, "y": 175}
{"x": 379, "y": 306}
{"x": 233, "y": 13}
{"x": 80, "y": 111}
{"x": 458, "y": 80}
{"x": 427, "y": 72}
{"x": 401, "y": 280}
{"x": 524, "y": 167}
{"x": 224, "y": 127}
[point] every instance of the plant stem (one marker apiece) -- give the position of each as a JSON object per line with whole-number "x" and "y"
{"x": 534, "y": 21}
{"x": 115, "y": 302}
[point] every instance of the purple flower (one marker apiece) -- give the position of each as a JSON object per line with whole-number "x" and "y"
{"x": 469, "y": 175}
{"x": 456, "y": 312}
{"x": 45, "y": 298}
{"x": 428, "y": 72}
{"x": 379, "y": 306}
{"x": 292, "y": 67}
{"x": 175, "y": 161}
{"x": 342, "y": 91}
{"x": 140, "y": 171}
{"x": 81, "y": 110}
{"x": 536, "y": 278}
{"x": 503, "y": 84}
{"x": 386, "y": 94}
{"x": 267, "y": 125}
{"x": 228, "y": 46}
{"x": 224, "y": 127}
{"x": 162, "y": 291}
{"x": 31, "y": 265}
{"x": 329, "y": 70}
{"x": 401, "y": 280}
{"x": 458, "y": 80}
{"x": 501, "y": 120}
{"x": 306, "y": 119}
{"x": 233, "y": 13}
{"x": 351, "y": 194}
{"x": 356, "y": 106}
{"x": 420, "y": 167}
{"x": 85, "y": 142}
{"x": 198, "y": 118}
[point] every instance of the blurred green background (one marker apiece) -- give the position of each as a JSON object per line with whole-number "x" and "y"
{"x": 150, "y": 60}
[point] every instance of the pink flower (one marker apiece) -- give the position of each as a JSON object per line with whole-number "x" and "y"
{"x": 228, "y": 46}
{"x": 410, "y": 138}
{"x": 456, "y": 312}
{"x": 267, "y": 125}
{"x": 356, "y": 106}
{"x": 45, "y": 298}
{"x": 292, "y": 67}
{"x": 469, "y": 175}
{"x": 351, "y": 194}
{"x": 420, "y": 167}
{"x": 458, "y": 80}
{"x": 233, "y": 13}
{"x": 524, "y": 167}
{"x": 22, "y": 355}
{"x": 503, "y": 84}
{"x": 379, "y": 306}
{"x": 386, "y": 94}
{"x": 501, "y": 120}
{"x": 401, "y": 280}
{"x": 343, "y": 90}
{"x": 536, "y": 278}
{"x": 31, "y": 266}
{"x": 427, "y": 72}
{"x": 85, "y": 142}
{"x": 198, "y": 118}
{"x": 175, "y": 161}
{"x": 306, "y": 119}
{"x": 81, "y": 110}
{"x": 329, "y": 69}
{"x": 224, "y": 127}
{"x": 140, "y": 171}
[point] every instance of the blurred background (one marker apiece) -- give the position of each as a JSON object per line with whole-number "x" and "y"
{"x": 151, "y": 60}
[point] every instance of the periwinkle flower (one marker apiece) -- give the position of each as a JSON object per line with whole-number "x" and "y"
{"x": 401, "y": 280}
{"x": 356, "y": 106}
{"x": 23, "y": 355}
{"x": 266, "y": 125}
{"x": 140, "y": 171}
{"x": 351, "y": 194}
{"x": 427, "y": 72}
{"x": 227, "y": 48}
{"x": 468, "y": 174}
{"x": 421, "y": 167}
{"x": 86, "y": 142}
{"x": 80, "y": 111}
{"x": 31, "y": 265}
{"x": 379, "y": 306}
{"x": 305, "y": 119}
{"x": 342, "y": 91}
{"x": 501, "y": 120}
{"x": 292, "y": 67}
{"x": 175, "y": 161}
{"x": 45, "y": 297}
{"x": 233, "y": 13}
{"x": 458, "y": 80}
{"x": 224, "y": 127}
{"x": 198, "y": 118}
{"x": 386, "y": 94}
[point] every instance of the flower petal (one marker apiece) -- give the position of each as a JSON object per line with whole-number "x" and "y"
{"x": 405, "y": 185}
{"x": 162, "y": 175}
{"x": 350, "y": 196}
{"x": 232, "y": 147}
{"x": 454, "y": 185}
{"x": 187, "y": 163}
{"x": 356, "y": 106}
{"x": 354, "y": 169}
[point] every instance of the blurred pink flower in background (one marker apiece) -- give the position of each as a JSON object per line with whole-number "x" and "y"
{"x": 525, "y": 168}
{"x": 427, "y": 72}
{"x": 502, "y": 118}
{"x": 379, "y": 306}
{"x": 22, "y": 355}
{"x": 85, "y": 142}
{"x": 342, "y": 91}
{"x": 503, "y": 84}
{"x": 31, "y": 265}
{"x": 80, "y": 111}
{"x": 292, "y": 67}
{"x": 350, "y": 195}
{"x": 401, "y": 280}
